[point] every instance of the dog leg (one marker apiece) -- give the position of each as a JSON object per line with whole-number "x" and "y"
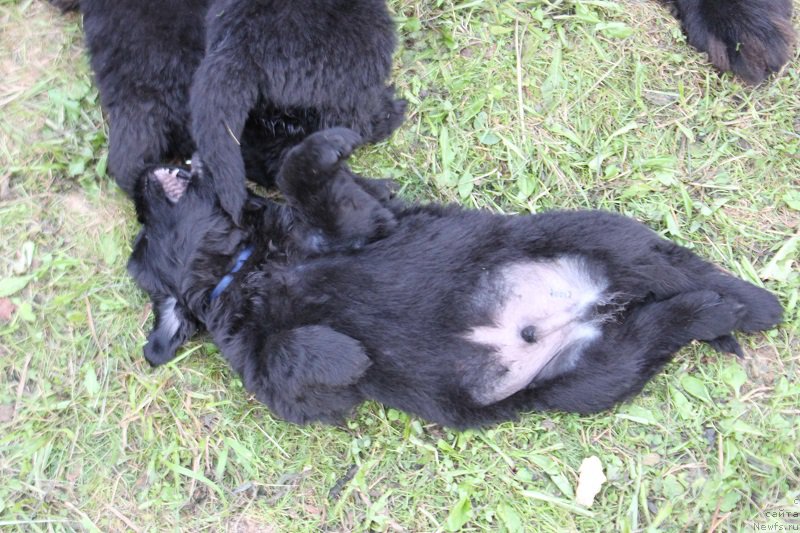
{"x": 314, "y": 161}
{"x": 752, "y": 38}
{"x": 756, "y": 309}
{"x": 307, "y": 374}
{"x": 618, "y": 366}
{"x": 334, "y": 209}
{"x": 391, "y": 114}
{"x": 376, "y": 116}
{"x": 222, "y": 95}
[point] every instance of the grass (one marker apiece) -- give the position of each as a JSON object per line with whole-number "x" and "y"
{"x": 514, "y": 106}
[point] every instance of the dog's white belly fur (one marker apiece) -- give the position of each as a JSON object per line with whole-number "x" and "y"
{"x": 555, "y": 297}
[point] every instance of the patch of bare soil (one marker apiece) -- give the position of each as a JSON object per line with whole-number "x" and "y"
{"x": 36, "y": 40}
{"x": 35, "y": 48}
{"x": 764, "y": 365}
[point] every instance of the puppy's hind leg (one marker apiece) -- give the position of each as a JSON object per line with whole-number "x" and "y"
{"x": 755, "y": 309}
{"x": 752, "y": 308}
{"x": 308, "y": 374}
{"x": 623, "y": 361}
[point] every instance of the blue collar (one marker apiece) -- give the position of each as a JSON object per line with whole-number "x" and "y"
{"x": 228, "y": 278}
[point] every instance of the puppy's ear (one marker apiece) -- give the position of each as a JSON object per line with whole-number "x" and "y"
{"x": 172, "y": 328}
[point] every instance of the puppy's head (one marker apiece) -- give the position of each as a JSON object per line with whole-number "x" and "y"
{"x": 184, "y": 232}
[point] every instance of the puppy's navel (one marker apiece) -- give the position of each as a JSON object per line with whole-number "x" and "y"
{"x": 528, "y": 334}
{"x": 541, "y": 321}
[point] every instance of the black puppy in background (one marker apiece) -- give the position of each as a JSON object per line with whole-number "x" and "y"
{"x": 298, "y": 66}
{"x": 274, "y": 72}
{"x": 462, "y": 317}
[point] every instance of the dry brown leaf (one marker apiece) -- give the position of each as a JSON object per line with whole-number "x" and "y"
{"x": 6, "y": 310}
{"x": 6, "y": 412}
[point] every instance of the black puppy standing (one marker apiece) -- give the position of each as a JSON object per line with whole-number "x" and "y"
{"x": 273, "y": 71}
{"x": 255, "y": 77}
{"x": 462, "y": 317}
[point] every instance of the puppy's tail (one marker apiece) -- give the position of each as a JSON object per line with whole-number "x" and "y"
{"x": 223, "y": 93}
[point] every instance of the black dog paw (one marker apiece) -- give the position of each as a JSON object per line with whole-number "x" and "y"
{"x": 760, "y": 310}
{"x": 326, "y": 149}
{"x": 231, "y": 190}
{"x": 313, "y": 374}
{"x": 751, "y": 38}
{"x": 710, "y": 316}
{"x": 727, "y": 344}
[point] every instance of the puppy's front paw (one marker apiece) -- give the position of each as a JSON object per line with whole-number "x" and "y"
{"x": 332, "y": 146}
{"x": 388, "y": 119}
{"x": 710, "y": 315}
{"x": 322, "y": 152}
{"x": 727, "y": 344}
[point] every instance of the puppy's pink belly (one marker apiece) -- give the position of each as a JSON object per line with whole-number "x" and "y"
{"x": 540, "y": 324}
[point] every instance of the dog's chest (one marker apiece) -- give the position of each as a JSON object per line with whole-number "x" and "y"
{"x": 542, "y": 315}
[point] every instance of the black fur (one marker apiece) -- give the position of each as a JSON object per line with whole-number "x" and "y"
{"x": 355, "y": 295}
{"x": 274, "y": 72}
{"x": 322, "y": 62}
{"x": 144, "y": 54}
{"x": 752, "y": 38}
{"x": 278, "y": 70}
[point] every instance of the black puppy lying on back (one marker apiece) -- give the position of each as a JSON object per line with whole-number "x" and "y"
{"x": 462, "y": 317}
